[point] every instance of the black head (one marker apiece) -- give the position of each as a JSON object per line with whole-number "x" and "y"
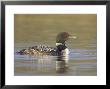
{"x": 62, "y": 37}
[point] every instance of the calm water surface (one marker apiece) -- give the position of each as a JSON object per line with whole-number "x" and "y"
{"x": 80, "y": 62}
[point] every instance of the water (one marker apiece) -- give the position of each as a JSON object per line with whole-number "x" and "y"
{"x": 80, "y": 62}
{"x": 32, "y": 30}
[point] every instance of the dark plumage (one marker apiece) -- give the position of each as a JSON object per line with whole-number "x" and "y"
{"x": 62, "y": 37}
{"x": 46, "y": 50}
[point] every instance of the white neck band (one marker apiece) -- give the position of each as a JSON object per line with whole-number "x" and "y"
{"x": 58, "y": 44}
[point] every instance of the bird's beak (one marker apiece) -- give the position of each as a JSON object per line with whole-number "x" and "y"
{"x": 73, "y": 37}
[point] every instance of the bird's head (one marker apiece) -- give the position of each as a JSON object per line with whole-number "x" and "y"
{"x": 62, "y": 37}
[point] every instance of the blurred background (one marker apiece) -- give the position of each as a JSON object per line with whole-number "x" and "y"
{"x": 44, "y": 28}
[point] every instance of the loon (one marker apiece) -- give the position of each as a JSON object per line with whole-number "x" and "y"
{"x": 60, "y": 49}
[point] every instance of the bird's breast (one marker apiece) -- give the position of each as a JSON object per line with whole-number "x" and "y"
{"x": 65, "y": 52}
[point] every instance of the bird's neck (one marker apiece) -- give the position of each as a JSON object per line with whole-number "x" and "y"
{"x": 57, "y": 44}
{"x": 62, "y": 49}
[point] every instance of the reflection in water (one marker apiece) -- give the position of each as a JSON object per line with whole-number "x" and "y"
{"x": 62, "y": 64}
{"x": 79, "y": 62}
{"x": 44, "y": 64}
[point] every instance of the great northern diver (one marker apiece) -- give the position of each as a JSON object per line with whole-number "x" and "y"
{"x": 60, "y": 49}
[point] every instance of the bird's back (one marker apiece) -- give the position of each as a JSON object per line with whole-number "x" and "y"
{"x": 38, "y": 50}
{"x": 45, "y": 50}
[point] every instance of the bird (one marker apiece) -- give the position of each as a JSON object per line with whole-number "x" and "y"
{"x": 60, "y": 49}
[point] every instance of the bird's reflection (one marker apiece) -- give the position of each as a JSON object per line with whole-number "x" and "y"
{"x": 62, "y": 64}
